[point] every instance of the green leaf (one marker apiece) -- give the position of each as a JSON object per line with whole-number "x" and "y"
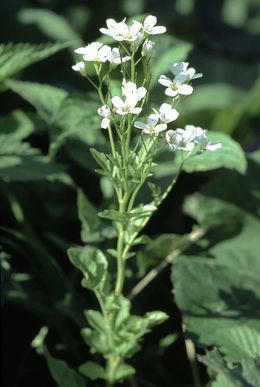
{"x": 101, "y": 159}
{"x": 52, "y": 25}
{"x": 225, "y": 375}
{"x": 87, "y": 215}
{"x": 76, "y": 118}
{"x": 92, "y": 370}
{"x": 201, "y": 99}
{"x": 124, "y": 371}
{"x": 46, "y": 99}
{"x": 155, "y": 318}
{"x": 95, "y": 320}
{"x": 96, "y": 340}
{"x": 230, "y": 156}
{"x": 63, "y": 375}
{"x": 239, "y": 342}
{"x": 216, "y": 285}
{"x": 20, "y": 162}
{"x": 93, "y": 264}
{"x": 15, "y": 57}
{"x": 19, "y": 124}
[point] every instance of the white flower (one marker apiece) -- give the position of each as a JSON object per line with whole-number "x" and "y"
{"x": 186, "y": 139}
{"x": 105, "y": 112}
{"x": 79, "y": 66}
{"x": 182, "y": 68}
{"x": 121, "y": 31}
{"x": 115, "y": 57}
{"x": 129, "y": 89}
{"x": 178, "y": 139}
{"x": 147, "y": 47}
{"x": 175, "y": 86}
{"x": 151, "y": 127}
{"x": 166, "y": 113}
{"x": 127, "y": 106}
{"x": 94, "y": 52}
{"x": 149, "y": 26}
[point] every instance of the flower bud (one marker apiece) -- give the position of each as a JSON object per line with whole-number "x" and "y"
{"x": 147, "y": 47}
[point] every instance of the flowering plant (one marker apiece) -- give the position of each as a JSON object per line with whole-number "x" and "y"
{"x": 134, "y": 145}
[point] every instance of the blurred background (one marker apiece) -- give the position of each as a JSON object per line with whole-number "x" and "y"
{"x": 222, "y": 40}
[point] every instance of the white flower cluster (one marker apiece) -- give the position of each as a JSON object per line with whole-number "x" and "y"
{"x": 135, "y": 34}
{"x": 186, "y": 139}
{"x": 131, "y": 96}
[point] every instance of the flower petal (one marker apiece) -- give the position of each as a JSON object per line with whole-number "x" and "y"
{"x": 185, "y": 89}
{"x": 117, "y": 102}
{"x": 158, "y": 30}
{"x": 165, "y": 81}
{"x": 160, "y": 128}
{"x": 105, "y": 123}
{"x": 149, "y": 22}
{"x": 139, "y": 125}
{"x": 170, "y": 92}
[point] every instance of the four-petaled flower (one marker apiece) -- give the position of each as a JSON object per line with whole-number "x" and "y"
{"x": 152, "y": 126}
{"x": 123, "y": 107}
{"x": 182, "y": 68}
{"x": 94, "y": 52}
{"x": 121, "y": 31}
{"x": 129, "y": 89}
{"x": 105, "y": 112}
{"x": 166, "y": 113}
{"x": 175, "y": 86}
{"x": 150, "y": 28}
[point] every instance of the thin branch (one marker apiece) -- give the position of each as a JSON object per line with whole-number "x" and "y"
{"x": 152, "y": 274}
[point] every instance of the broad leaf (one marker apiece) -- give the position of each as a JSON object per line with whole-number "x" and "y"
{"x": 15, "y": 57}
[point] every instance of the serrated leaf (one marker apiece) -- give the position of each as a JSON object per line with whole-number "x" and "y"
{"x": 20, "y": 162}
{"x": 230, "y": 156}
{"x": 15, "y": 57}
{"x": 19, "y": 124}
{"x": 45, "y": 98}
{"x": 64, "y": 375}
{"x": 92, "y": 370}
